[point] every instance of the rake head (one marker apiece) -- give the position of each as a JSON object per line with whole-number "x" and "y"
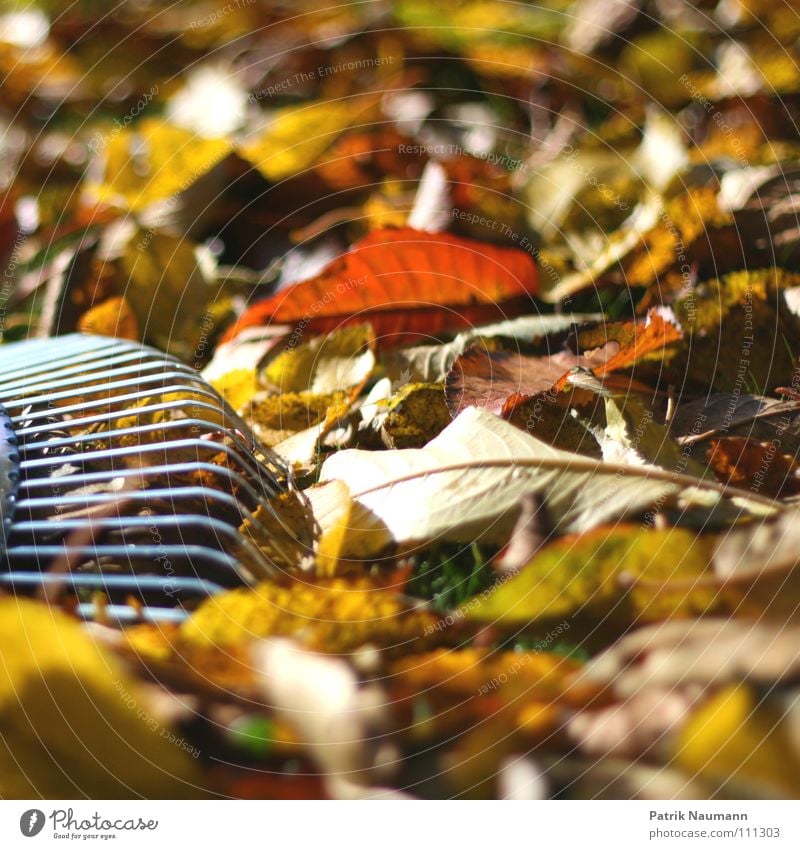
{"x": 123, "y": 472}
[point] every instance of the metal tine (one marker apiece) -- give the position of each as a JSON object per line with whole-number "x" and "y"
{"x": 194, "y": 384}
{"x": 130, "y": 450}
{"x": 33, "y": 351}
{"x": 87, "y": 478}
{"x": 244, "y": 459}
{"x": 88, "y": 421}
{"x": 223, "y": 532}
{"x": 83, "y": 424}
{"x": 100, "y": 381}
{"x": 237, "y": 429}
{"x": 173, "y": 495}
{"x": 86, "y": 361}
{"x": 237, "y": 433}
{"x": 138, "y": 450}
{"x": 131, "y": 523}
{"x": 78, "y": 376}
{"x": 201, "y": 586}
{"x": 117, "y": 433}
{"x": 99, "y": 418}
{"x": 94, "y": 357}
{"x": 193, "y": 554}
{"x": 96, "y": 418}
{"x": 123, "y": 614}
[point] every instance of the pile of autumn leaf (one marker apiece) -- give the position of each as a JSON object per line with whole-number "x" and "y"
{"x": 533, "y": 372}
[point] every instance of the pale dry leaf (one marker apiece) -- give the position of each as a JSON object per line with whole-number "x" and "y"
{"x": 704, "y": 652}
{"x": 467, "y": 483}
{"x": 339, "y": 721}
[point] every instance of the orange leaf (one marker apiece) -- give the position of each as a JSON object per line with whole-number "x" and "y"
{"x": 405, "y": 282}
{"x": 753, "y": 464}
{"x": 113, "y": 317}
{"x": 650, "y": 337}
{"x": 636, "y": 341}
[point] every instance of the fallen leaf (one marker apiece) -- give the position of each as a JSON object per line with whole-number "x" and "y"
{"x": 707, "y": 652}
{"x": 405, "y": 283}
{"x": 274, "y": 417}
{"x": 740, "y": 744}
{"x": 334, "y": 363}
{"x": 343, "y": 725}
{"x": 721, "y": 316}
{"x": 530, "y": 533}
{"x": 113, "y": 317}
{"x": 73, "y": 722}
{"x": 735, "y": 414}
{"x": 154, "y": 161}
{"x": 467, "y": 484}
{"x": 168, "y": 291}
{"x": 213, "y": 646}
{"x": 431, "y": 363}
{"x": 233, "y": 369}
{"x": 611, "y": 575}
{"x": 346, "y": 530}
{"x": 487, "y": 379}
{"x": 633, "y": 435}
{"x": 414, "y": 416}
{"x": 634, "y": 727}
{"x": 754, "y": 465}
{"x": 287, "y": 148}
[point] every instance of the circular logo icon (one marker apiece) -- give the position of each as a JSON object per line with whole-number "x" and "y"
{"x": 31, "y": 822}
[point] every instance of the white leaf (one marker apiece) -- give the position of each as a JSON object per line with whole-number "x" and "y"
{"x": 468, "y": 483}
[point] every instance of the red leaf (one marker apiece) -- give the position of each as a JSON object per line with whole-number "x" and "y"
{"x": 405, "y": 282}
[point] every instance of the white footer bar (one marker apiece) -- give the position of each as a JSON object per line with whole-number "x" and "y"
{"x": 401, "y": 825}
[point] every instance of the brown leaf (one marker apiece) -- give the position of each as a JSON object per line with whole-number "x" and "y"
{"x": 489, "y": 379}
{"x": 753, "y": 464}
{"x": 730, "y": 414}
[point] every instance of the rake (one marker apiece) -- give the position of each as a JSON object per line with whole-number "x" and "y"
{"x": 122, "y": 472}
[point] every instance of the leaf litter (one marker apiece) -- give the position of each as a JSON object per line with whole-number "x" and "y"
{"x": 527, "y": 342}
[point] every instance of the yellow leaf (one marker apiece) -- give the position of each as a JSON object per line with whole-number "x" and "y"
{"x": 113, "y": 317}
{"x": 298, "y": 135}
{"x": 154, "y": 161}
{"x": 736, "y": 739}
{"x": 348, "y": 530}
{"x": 237, "y": 386}
{"x": 233, "y": 370}
{"x": 168, "y": 292}
{"x": 336, "y": 616}
{"x": 332, "y": 363}
{"x": 72, "y": 723}
{"x": 275, "y": 417}
{"x": 618, "y": 574}
{"x": 416, "y": 414}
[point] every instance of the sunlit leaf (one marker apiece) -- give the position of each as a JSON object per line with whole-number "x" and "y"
{"x": 73, "y": 722}
{"x": 405, "y": 283}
